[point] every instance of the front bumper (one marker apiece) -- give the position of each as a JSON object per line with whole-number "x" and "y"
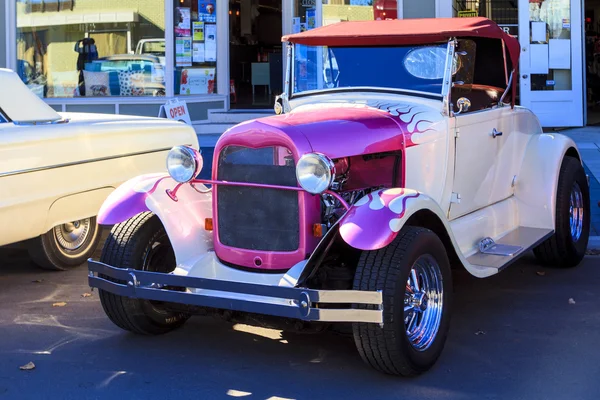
{"x": 288, "y": 302}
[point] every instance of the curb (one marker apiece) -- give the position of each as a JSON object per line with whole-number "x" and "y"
{"x": 594, "y": 242}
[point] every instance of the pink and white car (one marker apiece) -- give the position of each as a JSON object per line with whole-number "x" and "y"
{"x": 408, "y": 159}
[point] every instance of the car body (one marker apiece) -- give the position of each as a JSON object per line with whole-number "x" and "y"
{"x": 56, "y": 170}
{"x": 354, "y": 203}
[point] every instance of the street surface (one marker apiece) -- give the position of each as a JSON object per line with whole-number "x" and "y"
{"x": 513, "y": 336}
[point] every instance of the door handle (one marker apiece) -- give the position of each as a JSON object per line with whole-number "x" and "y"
{"x": 496, "y": 133}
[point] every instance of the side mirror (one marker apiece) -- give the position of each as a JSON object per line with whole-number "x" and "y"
{"x": 278, "y": 105}
{"x": 463, "y": 105}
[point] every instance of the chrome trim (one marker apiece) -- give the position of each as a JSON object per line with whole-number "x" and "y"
{"x": 508, "y": 87}
{"x": 281, "y": 301}
{"x": 70, "y": 164}
{"x": 45, "y": 122}
{"x": 447, "y": 82}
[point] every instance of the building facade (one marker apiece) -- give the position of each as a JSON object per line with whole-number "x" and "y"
{"x": 131, "y": 56}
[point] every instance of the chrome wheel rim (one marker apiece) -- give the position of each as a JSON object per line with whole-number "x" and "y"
{"x": 423, "y": 302}
{"x": 576, "y": 212}
{"x": 72, "y": 235}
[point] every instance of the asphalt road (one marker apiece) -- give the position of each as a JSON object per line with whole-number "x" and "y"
{"x": 513, "y": 336}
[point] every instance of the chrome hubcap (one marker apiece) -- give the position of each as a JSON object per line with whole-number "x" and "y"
{"x": 576, "y": 212}
{"x": 72, "y": 235}
{"x": 423, "y": 302}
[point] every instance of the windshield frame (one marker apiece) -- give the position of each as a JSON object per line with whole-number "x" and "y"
{"x": 291, "y": 71}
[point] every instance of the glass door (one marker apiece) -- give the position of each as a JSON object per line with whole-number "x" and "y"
{"x": 551, "y": 64}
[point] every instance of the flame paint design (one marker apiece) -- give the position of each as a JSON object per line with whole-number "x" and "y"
{"x": 375, "y": 219}
{"x": 418, "y": 120}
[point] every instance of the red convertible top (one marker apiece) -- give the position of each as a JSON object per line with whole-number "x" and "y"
{"x": 404, "y": 32}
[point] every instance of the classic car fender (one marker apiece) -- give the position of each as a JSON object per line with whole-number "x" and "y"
{"x": 76, "y": 206}
{"x": 374, "y": 221}
{"x": 183, "y": 218}
{"x": 537, "y": 180}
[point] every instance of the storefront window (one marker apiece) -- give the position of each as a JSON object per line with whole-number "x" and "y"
{"x": 89, "y": 48}
{"x": 358, "y": 10}
{"x": 195, "y": 34}
{"x": 550, "y": 44}
{"x": 313, "y": 67}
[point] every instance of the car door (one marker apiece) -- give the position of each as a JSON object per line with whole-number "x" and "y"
{"x": 483, "y": 160}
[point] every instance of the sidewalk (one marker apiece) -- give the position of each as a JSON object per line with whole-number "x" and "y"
{"x": 588, "y": 142}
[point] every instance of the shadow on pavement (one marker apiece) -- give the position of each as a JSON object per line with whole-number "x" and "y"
{"x": 513, "y": 336}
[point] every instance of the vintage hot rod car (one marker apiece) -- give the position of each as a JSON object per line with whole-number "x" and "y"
{"x": 56, "y": 170}
{"x": 406, "y": 159}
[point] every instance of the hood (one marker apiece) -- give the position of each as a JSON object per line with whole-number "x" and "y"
{"x": 340, "y": 129}
{"x": 22, "y": 105}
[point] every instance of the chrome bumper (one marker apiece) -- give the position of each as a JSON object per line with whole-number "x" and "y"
{"x": 280, "y": 301}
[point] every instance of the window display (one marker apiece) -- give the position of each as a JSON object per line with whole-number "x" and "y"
{"x": 60, "y": 57}
{"x": 358, "y": 10}
{"x": 195, "y": 30}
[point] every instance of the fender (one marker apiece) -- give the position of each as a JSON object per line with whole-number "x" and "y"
{"x": 183, "y": 219}
{"x": 536, "y": 184}
{"x": 76, "y": 206}
{"x": 374, "y": 221}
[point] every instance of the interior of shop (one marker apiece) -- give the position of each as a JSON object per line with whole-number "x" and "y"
{"x": 255, "y": 51}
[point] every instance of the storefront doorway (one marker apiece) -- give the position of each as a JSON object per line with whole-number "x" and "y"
{"x": 255, "y": 56}
{"x": 551, "y": 68}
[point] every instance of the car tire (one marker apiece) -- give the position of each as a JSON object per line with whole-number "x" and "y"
{"x": 139, "y": 243}
{"x": 398, "y": 347}
{"x": 566, "y": 247}
{"x": 66, "y": 246}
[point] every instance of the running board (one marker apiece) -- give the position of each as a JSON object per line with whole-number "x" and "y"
{"x": 509, "y": 248}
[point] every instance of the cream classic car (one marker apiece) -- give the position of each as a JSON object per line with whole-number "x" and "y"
{"x": 56, "y": 169}
{"x": 399, "y": 154}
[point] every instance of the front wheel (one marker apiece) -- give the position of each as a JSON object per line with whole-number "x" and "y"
{"x": 66, "y": 246}
{"x": 566, "y": 247}
{"x": 140, "y": 243}
{"x": 414, "y": 274}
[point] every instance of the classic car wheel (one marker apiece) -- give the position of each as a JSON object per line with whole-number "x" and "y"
{"x": 566, "y": 248}
{"x": 140, "y": 243}
{"x": 66, "y": 246}
{"x": 414, "y": 274}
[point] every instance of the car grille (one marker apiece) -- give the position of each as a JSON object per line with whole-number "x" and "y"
{"x": 257, "y": 218}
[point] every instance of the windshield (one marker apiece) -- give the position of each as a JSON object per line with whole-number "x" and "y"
{"x": 416, "y": 68}
{"x": 156, "y": 48}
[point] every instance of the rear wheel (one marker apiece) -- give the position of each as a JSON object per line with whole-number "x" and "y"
{"x": 566, "y": 247}
{"x": 66, "y": 246}
{"x": 140, "y": 243}
{"x": 414, "y": 274}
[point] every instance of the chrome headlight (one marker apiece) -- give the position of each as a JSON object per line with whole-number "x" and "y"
{"x": 184, "y": 163}
{"x": 315, "y": 172}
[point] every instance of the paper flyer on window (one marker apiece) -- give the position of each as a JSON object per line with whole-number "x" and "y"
{"x": 183, "y": 52}
{"x": 311, "y": 19}
{"x": 198, "y": 31}
{"x": 207, "y": 10}
{"x": 197, "y": 81}
{"x": 198, "y": 53}
{"x": 210, "y": 42}
{"x": 182, "y": 21}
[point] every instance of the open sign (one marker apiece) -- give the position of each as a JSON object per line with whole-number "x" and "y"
{"x": 175, "y": 109}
